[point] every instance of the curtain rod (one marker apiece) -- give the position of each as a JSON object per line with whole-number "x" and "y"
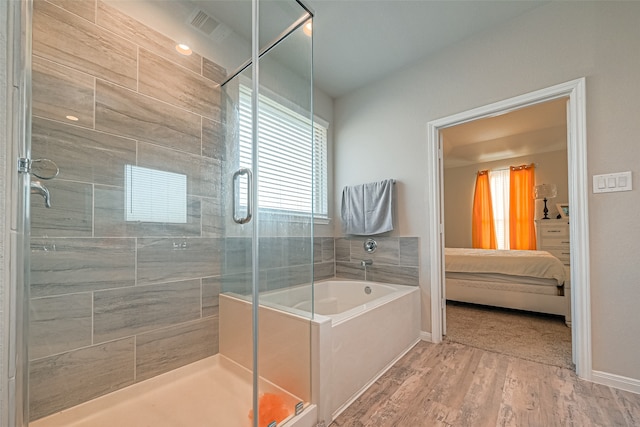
{"x": 507, "y": 168}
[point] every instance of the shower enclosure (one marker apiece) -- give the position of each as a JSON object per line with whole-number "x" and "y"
{"x": 172, "y": 141}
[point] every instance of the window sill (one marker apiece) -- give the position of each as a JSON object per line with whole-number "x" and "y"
{"x": 273, "y": 217}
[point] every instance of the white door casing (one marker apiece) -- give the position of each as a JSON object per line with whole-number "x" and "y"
{"x": 578, "y": 194}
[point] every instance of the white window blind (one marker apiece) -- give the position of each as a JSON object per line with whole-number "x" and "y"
{"x": 154, "y": 195}
{"x": 292, "y": 171}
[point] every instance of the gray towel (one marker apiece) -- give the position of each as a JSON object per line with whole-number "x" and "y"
{"x": 368, "y": 208}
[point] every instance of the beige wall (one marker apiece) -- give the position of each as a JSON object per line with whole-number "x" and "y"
{"x": 4, "y": 232}
{"x": 380, "y": 132}
{"x": 459, "y": 184}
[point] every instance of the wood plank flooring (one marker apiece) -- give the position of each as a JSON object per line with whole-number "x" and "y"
{"x": 451, "y": 384}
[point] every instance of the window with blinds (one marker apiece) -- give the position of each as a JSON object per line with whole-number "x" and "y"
{"x": 292, "y": 171}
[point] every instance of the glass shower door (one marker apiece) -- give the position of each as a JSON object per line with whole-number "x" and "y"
{"x": 139, "y": 273}
{"x": 286, "y": 193}
{"x": 127, "y": 263}
{"x": 268, "y": 221}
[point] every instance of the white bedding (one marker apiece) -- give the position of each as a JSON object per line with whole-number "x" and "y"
{"x": 538, "y": 264}
{"x": 504, "y": 278}
{"x": 509, "y": 287}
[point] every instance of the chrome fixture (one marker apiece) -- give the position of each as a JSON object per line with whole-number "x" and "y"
{"x": 44, "y": 168}
{"x": 367, "y": 290}
{"x": 40, "y": 168}
{"x": 364, "y": 263}
{"x": 179, "y": 245}
{"x": 370, "y": 246}
{"x": 236, "y": 203}
{"x": 38, "y": 188}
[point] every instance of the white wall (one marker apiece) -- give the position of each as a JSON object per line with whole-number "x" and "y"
{"x": 380, "y": 131}
{"x": 323, "y": 108}
{"x": 4, "y": 194}
{"x": 459, "y": 187}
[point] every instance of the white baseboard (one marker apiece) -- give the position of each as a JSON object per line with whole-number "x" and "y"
{"x": 425, "y": 336}
{"x": 616, "y": 381}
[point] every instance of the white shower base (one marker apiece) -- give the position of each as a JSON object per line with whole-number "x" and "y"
{"x": 187, "y": 396}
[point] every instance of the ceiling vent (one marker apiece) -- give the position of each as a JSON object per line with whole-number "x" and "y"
{"x": 208, "y": 25}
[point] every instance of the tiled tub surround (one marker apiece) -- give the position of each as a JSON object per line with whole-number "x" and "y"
{"x": 284, "y": 262}
{"x": 396, "y": 260}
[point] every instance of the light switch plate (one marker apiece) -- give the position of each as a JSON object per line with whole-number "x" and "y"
{"x": 611, "y": 182}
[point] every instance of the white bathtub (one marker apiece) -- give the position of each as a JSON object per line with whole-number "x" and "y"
{"x": 337, "y": 299}
{"x": 359, "y": 329}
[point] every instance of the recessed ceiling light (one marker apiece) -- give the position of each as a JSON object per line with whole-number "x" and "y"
{"x": 183, "y": 49}
{"x": 308, "y": 28}
{"x": 72, "y": 118}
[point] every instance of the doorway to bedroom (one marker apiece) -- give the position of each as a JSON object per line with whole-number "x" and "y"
{"x": 508, "y": 313}
{"x": 573, "y": 95}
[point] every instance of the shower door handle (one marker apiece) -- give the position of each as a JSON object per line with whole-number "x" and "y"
{"x": 236, "y": 203}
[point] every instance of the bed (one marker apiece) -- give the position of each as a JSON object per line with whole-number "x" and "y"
{"x": 523, "y": 280}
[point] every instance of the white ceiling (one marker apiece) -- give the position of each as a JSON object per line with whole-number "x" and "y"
{"x": 536, "y": 129}
{"x": 356, "y": 42}
{"x": 359, "y": 42}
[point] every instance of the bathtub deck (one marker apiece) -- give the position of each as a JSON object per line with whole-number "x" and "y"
{"x": 187, "y": 396}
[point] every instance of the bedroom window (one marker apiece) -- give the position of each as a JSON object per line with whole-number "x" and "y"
{"x": 499, "y": 184}
{"x": 290, "y": 159}
{"x": 513, "y": 207}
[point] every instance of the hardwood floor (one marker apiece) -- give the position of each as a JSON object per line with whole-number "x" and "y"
{"x": 451, "y": 384}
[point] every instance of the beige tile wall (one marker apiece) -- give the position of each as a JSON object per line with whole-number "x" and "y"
{"x": 395, "y": 260}
{"x": 116, "y": 302}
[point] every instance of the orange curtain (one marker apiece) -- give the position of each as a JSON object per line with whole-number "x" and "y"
{"x": 522, "y": 231}
{"x": 483, "y": 232}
